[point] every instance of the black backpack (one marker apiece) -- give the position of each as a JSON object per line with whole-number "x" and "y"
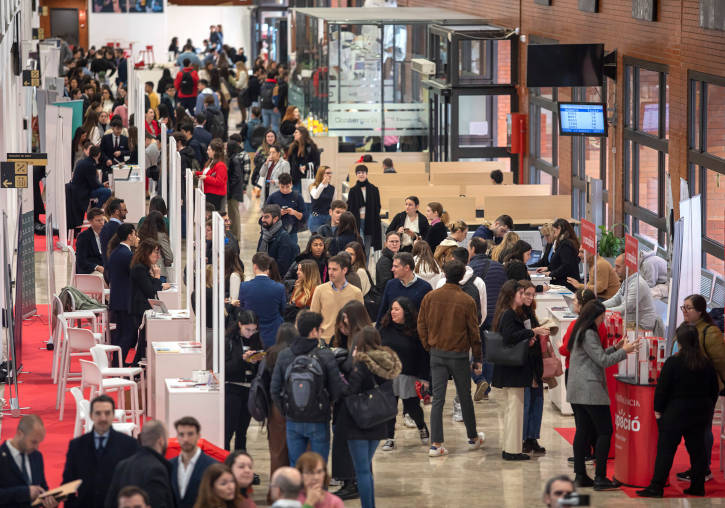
{"x": 257, "y": 136}
{"x": 215, "y": 123}
{"x": 186, "y": 86}
{"x": 258, "y": 401}
{"x": 305, "y": 398}
{"x": 266, "y": 96}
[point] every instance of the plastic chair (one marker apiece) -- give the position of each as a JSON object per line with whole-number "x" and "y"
{"x": 92, "y": 285}
{"x": 83, "y": 416}
{"x": 100, "y": 358}
{"x": 91, "y": 377}
{"x": 57, "y": 337}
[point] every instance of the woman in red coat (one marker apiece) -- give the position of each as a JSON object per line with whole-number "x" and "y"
{"x": 152, "y": 125}
{"x": 214, "y": 175}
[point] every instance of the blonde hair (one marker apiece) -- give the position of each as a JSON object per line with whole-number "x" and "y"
{"x": 458, "y": 225}
{"x": 311, "y": 281}
{"x": 547, "y": 230}
{"x": 508, "y": 242}
{"x": 442, "y": 252}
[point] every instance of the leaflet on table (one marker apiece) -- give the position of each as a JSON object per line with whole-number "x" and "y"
{"x": 167, "y": 347}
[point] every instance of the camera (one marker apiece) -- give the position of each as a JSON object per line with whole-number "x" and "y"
{"x": 574, "y": 499}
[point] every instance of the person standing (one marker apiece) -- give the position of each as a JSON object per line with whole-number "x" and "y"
{"x": 438, "y": 231}
{"x": 214, "y": 175}
{"x": 587, "y": 389}
{"x": 564, "y": 262}
{"x": 146, "y": 469}
{"x": 685, "y": 399}
{"x": 448, "y": 329}
{"x": 496, "y": 231}
{"x": 625, "y": 301}
{"x": 292, "y": 206}
{"x": 363, "y": 201}
{"x": 274, "y": 238}
{"x": 410, "y": 224}
{"x": 331, "y": 297}
{"x": 384, "y": 266}
{"x": 404, "y": 284}
{"x": 268, "y": 101}
{"x": 303, "y": 157}
{"x": 305, "y": 383}
{"x": 88, "y": 244}
{"x": 271, "y": 170}
{"x": 237, "y": 178}
{"x": 188, "y": 467}
{"x": 117, "y": 211}
{"x": 23, "y": 474}
{"x": 93, "y": 456}
{"x": 329, "y": 228}
{"x": 322, "y": 193}
{"x": 265, "y": 297}
{"x": 118, "y": 276}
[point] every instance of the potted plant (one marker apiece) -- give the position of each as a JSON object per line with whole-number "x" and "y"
{"x": 610, "y": 245}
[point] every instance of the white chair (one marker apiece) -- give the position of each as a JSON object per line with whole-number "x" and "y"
{"x": 83, "y": 417}
{"x": 92, "y": 285}
{"x": 91, "y": 377}
{"x": 75, "y": 317}
{"x": 100, "y": 358}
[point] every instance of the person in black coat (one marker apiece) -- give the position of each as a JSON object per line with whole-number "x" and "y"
{"x": 363, "y": 201}
{"x": 117, "y": 211}
{"x": 685, "y": 398}
{"x": 301, "y": 153}
{"x": 88, "y": 244}
{"x": 114, "y": 146}
{"x": 384, "y": 266}
{"x": 17, "y": 490}
{"x": 516, "y": 266}
{"x": 317, "y": 252}
{"x": 93, "y": 456}
{"x": 145, "y": 282}
{"x": 146, "y": 469}
{"x": 242, "y": 344}
{"x": 565, "y": 259}
{"x": 275, "y": 240}
{"x": 411, "y": 214}
{"x": 188, "y": 432}
{"x": 345, "y": 233}
{"x": 117, "y": 273}
{"x": 438, "y": 219}
{"x": 85, "y": 182}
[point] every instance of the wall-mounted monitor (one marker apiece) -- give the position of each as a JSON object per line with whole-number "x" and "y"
{"x": 582, "y": 119}
{"x": 564, "y": 65}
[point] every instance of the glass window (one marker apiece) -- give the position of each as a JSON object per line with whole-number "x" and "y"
{"x": 473, "y": 61}
{"x": 649, "y": 102}
{"x": 715, "y": 205}
{"x": 473, "y": 120}
{"x": 715, "y": 120}
{"x": 647, "y": 184}
{"x": 546, "y": 135}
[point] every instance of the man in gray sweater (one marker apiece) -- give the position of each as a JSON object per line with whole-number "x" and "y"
{"x": 647, "y": 313}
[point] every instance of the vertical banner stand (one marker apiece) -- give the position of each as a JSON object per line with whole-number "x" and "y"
{"x": 51, "y": 275}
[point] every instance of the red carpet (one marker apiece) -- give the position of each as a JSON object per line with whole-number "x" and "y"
{"x": 714, "y": 488}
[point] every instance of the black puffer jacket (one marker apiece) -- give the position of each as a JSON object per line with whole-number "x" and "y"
{"x": 236, "y": 369}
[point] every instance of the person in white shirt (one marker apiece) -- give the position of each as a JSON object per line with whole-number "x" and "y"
{"x": 188, "y": 468}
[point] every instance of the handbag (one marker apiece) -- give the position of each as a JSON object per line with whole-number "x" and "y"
{"x": 307, "y": 181}
{"x": 552, "y": 364}
{"x": 373, "y": 407}
{"x": 501, "y": 354}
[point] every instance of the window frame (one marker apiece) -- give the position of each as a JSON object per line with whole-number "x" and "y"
{"x": 537, "y": 103}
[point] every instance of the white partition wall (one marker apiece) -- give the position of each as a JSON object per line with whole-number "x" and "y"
{"x": 174, "y": 206}
{"x": 58, "y": 137}
{"x": 139, "y": 118}
{"x": 164, "y": 177}
{"x": 190, "y": 233}
{"x": 218, "y": 301}
{"x": 200, "y": 267}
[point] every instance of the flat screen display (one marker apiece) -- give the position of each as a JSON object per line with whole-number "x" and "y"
{"x": 564, "y": 65}
{"x": 582, "y": 119}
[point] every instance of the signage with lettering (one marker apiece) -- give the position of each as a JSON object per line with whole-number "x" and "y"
{"x": 631, "y": 249}
{"x": 589, "y": 5}
{"x": 589, "y": 237}
{"x": 31, "y": 78}
{"x": 644, "y": 9}
{"x": 14, "y": 175}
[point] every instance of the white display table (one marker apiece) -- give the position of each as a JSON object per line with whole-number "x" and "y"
{"x": 207, "y": 406}
{"x": 554, "y": 298}
{"x": 558, "y": 393}
{"x": 169, "y": 360}
{"x": 129, "y": 184}
{"x": 177, "y": 326}
{"x": 171, "y": 297}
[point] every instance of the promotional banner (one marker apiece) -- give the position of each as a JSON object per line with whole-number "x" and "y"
{"x": 631, "y": 248}
{"x": 589, "y": 237}
{"x": 635, "y": 434}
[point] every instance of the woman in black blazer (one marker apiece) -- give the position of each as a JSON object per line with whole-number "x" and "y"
{"x": 685, "y": 398}
{"x": 414, "y": 218}
{"x": 438, "y": 220}
{"x": 145, "y": 282}
{"x": 565, "y": 260}
{"x": 345, "y": 233}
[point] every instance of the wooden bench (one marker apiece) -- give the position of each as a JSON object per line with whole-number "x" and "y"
{"x": 468, "y": 178}
{"x": 376, "y": 168}
{"x": 397, "y": 179}
{"x": 457, "y": 207}
{"x": 347, "y": 159}
{"x": 422, "y": 192}
{"x": 469, "y": 166}
{"x": 481, "y": 192}
{"x": 543, "y": 208}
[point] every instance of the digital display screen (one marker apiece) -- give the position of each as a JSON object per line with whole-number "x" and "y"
{"x": 582, "y": 119}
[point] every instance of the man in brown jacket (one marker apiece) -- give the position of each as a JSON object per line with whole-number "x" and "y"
{"x": 448, "y": 328}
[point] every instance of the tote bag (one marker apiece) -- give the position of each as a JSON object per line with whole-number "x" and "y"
{"x": 373, "y": 407}
{"x": 500, "y": 354}
{"x": 308, "y": 180}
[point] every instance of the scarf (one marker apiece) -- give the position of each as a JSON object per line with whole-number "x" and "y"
{"x": 268, "y": 234}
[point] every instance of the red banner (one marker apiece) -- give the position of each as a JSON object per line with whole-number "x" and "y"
{"x": 631, "y": 248}
{"x": 589, "y": 237}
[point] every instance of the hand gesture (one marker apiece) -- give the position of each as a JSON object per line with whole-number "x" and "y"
{"x": 540, "y": 330}
{"x": 165, "y": 286}
{"x": 314, "y": 495}
{"x": 155, "y": 271}
{"x": 574, "y": 282}
{"x": 630, "y": 346}
{"x": 35, "y": 491}
{"x": 247, "y": 355}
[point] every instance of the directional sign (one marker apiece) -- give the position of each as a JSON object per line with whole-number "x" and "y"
{"x": 34, "y": 159}
{"x": 14, "y": 175}
{"x": 31, "y": 78}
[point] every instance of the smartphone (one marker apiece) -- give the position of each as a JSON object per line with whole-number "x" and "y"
{"x": 257, "y": 356}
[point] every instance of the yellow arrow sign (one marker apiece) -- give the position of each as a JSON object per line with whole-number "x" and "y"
{"x": 7, "y": 183}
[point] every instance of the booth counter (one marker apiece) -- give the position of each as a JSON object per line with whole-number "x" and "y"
{"x": 558, "y": 393}
{"x": 170, "y": 360}
{"x": 205, "y": 402}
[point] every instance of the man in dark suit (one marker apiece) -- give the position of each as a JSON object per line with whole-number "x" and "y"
{"x": 265, "y": 297}
{"x": 118, "y": 275}
{"x": 85, "y": 182}
{"x": 187, "y": 130}
{"x": 92, "y": 457}
{"x": 117, "y": 210}
{"x": 189, "y": 466}
{"x": 114, "y": 146}
{"x": 146, "y": 469}
{"x": 22, "y": 477}
{"x": 202, "y": 135}
{"x": 88, "y": 244}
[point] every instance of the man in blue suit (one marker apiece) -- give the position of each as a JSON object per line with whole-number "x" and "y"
{"x": 117, "y": 210}
{"x": 114, "y": 145}
{"x": 23, "y": 475}
{"x": 88, "y": 244}
{"x": 85, "y": 182}
{"x": 92, "y": 457}
{"x": 265, "y": 297}
{"x": 189, "y": 466}
{"x": 118, "y": 275}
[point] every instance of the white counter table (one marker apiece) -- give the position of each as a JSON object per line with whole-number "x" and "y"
{"x": 169, "y": 360}
{"x": 207, "y": 406}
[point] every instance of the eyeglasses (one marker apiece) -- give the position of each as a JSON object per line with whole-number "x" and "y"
{"x": 685, "y": 308}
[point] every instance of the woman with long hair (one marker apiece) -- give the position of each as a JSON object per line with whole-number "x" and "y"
{"x": 426, "y": 266}
{"x": 218, "y": 489}
{"x": 132, "y": 145}
{"x": 107, "y": 100}
{"x": 500, "y": 251}
{"x": 410, "y": 224}
{"x": 233, "y": 273}
{"x": 241, "y": 465}
{"x": 587, "y": 390}
{"x": 438, "y": 219}
{"x": 684, "y": 402}
{"x": 322, "y": 193}
{"x": 345, "y": 233}
{"x": 242, "y": 349}
{"x": 315, "y": 481}
{"x": 398, "y": 330}
{"x": 358, "y": 265}
{"x": 154, "y": 227}
{"x": 564, "y": 261}
{"x": 303, "y": 157}
{"x": 444, "y": 251}
{"x": 515, "y": 261}
{"x": 316, "y": 251}
{"x": 512, "y": 322}
{"x": 290, "y": 121}
{"x": 308, "y": 278}
{"x": 90, "y": 125}
{"x": 373, "y": 365}
{"x": 350, "y": 320}
{"x": 260, "y": 156}
{"x": 145, "y": 283}
{"x": 534, "y": 394}
{"x": 77, "y": 146}
{"x": 214, "y": 175}
{"x": 151, "y": 124}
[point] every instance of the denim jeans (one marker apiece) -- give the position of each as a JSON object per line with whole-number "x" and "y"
{"x": 533, "y": 411}
{"x": 300, "y": 434}
{"x": 315, "y": 221}
{"x": 270, "y": 119}
{"x": 102, "y": 194}
{"x": 362, "y": 452}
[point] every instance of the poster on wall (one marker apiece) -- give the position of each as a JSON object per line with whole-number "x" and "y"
{"x": 116, "y": 6}
{"x": 122, "y": 6}
{"x": 145, "y": 5}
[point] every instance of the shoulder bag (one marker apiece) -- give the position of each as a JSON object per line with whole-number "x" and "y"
{"x": 500, "y": 354}
{"x": 552, "y": 364}
{"x": 373, "y": 407}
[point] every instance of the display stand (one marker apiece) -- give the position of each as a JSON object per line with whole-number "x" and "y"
{"x": 129, "y": 184}
{"x": 175, "y": 198}
{"x": 164, "y": 177}
{"x": 50, "y": 271}
{"x": 170, "y": 359}
{"x": 58, "y": 137}
{"x": 200, "y": 267}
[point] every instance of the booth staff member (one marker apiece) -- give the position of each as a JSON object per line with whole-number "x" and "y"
{"x": 647, "y": 312}
{"x": 607, "y": 279}
{"x": 88, "y": 245}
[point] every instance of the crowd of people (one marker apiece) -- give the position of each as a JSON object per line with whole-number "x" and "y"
{"x": 319, "y": 330}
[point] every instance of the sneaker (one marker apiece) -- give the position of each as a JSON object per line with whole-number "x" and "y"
{"x": 481, "y": 389}
{"x": 475, "y": 444}
{"x": 457, "y": 412}
{"x": 424, "y": 435}
{"x": 685, "y": 476}
{"x": 437, "y": 451}
{"x": 389, "y": 445}
{"x": 408, "y": 422}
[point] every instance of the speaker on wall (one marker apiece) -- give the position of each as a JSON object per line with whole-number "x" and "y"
{"x": 589, "y": 5}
